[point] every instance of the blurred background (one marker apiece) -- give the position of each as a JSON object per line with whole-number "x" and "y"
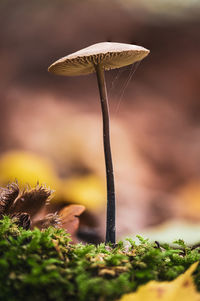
{"x": 50, "y": 126}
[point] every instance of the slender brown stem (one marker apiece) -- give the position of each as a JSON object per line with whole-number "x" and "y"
{"x": 110, "y": 224}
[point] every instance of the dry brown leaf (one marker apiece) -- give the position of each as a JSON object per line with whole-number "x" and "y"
{"x": 69, "y": 218}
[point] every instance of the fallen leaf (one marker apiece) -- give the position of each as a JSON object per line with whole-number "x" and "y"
{"x": 69, "y": 216}
{"x": 88, "y": 191}
{"x": 28, "y": 167}
{"x": 182, "y": 288}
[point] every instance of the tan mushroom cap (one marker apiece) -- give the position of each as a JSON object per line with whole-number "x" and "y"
{"x": 110, "y": 55}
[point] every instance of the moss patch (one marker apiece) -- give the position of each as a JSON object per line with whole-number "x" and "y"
{"x": 43, "y": 265}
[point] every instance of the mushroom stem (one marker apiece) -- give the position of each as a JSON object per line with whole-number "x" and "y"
{"x": 110, "y": 223}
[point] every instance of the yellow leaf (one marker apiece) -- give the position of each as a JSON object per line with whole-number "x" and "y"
{"x": 180, "y": 289}
{"x": 27, "y": 168}
{"x": 88, "y": 191}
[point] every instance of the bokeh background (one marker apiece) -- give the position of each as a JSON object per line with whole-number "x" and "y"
{"x": 50, "y": 126}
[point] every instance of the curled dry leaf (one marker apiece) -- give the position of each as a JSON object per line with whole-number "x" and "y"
{"x": 182, "y": 288}
{"x": 69, "y": 218}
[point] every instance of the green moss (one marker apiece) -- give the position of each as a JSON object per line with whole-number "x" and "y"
{"x": 43, "y": 265}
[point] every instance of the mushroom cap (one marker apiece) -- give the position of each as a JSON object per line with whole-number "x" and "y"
{"x": 110, "y": 55}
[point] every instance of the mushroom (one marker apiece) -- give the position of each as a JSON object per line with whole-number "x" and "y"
{"x": 97, "y": 58}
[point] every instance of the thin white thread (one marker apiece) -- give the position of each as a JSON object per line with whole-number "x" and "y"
{"x": 125, "y": 85}
{"x": 115, "y": 77}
